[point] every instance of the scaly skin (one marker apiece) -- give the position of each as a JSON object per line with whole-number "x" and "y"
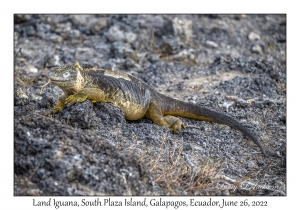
{"x": 136, "y": 98}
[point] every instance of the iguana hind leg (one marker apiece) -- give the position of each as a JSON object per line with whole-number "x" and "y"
{"x": 154, "y": 113}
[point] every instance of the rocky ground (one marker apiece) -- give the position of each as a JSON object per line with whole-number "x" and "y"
{"x": 235, "y": 64}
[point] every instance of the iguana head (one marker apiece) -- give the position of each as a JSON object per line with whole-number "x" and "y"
{"x": 67, "y": 77}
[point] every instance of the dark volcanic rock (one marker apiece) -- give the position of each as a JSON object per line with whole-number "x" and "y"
{"x": 53, "y": 157}
{"x": 87, "y": 115}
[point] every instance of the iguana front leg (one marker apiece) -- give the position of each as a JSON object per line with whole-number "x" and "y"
{"x": 93, "y": 94}
{"x": 154, "y": 113}
{"x": 60, "y": 104}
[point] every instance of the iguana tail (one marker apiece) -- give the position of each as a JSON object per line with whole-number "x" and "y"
{"x": 179, "y": 108}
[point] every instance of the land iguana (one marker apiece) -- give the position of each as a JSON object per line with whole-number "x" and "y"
{"x": 135, "y": 97}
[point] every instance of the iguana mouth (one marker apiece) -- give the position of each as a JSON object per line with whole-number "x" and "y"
{"x": 55, "y": 80}
{"x": 58, "y": 80}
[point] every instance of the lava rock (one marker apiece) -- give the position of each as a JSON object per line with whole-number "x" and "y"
{"x": 66, "y": 155}
{"x": 121, "y": 49}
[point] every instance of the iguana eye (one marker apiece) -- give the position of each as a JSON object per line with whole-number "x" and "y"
{"x": 66, "y": 74}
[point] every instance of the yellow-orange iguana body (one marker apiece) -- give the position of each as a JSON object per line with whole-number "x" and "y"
{"x": 135, "y": 97}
